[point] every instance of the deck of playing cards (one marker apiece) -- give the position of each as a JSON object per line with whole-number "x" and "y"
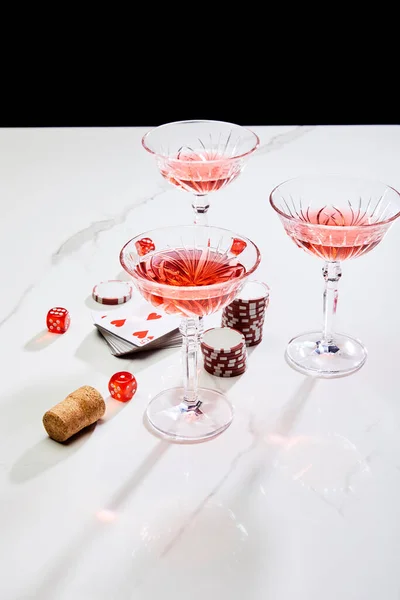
{"x": 136, "y": 326}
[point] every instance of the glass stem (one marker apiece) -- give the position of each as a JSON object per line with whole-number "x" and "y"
{"x": 332, "y": 273}
{"x": 191, "y": 329}
{"x": 200, "y": 206}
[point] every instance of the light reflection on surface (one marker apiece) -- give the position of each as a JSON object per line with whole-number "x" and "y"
{"x": 328, "y": 465}
{"x": 106, "y": 516}
{"x": 41, "y": 340}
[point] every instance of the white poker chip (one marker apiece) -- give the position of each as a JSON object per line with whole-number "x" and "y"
{"x": 253, "y": 291}
{"x": 114, "y": 291}
{"x": 222, "y": 339}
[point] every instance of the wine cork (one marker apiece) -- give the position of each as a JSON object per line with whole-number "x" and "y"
{"x": 79, "y": 409}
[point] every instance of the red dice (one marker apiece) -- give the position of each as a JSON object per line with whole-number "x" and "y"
{"x": 238, "y": 246}
{"x": 58, "y": 320}
{"x": 144, "y": 246}
{"x": 122, "y": 386}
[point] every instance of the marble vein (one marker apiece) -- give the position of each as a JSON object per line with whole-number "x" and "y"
{"x": 18, "y": 304}
{"x": 77, "y": 240}
{"x": 277, "y": 142}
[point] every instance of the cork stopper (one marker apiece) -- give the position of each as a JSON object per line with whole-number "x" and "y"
{"x": 81, "y": 408}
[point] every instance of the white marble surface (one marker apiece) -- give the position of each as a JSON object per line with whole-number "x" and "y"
{"x": 299, "y": 498}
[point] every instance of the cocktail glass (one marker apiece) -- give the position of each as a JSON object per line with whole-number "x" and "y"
{"x": 190, "y": 271}
{"x": 335, "y": 218}
{"x": 200, "y": 157}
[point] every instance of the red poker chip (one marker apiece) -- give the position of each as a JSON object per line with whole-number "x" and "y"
{"x": 208, "y": 352}
{"x": 251, "y": 326}
{"x": 224, "y": 365}
{"x": 231, "y": 360}
{"x": 242, "y": 326}
{"x": 230, "y": 370}
{"x": 239, "y": 317}
{"x": 227, "y": 359}
{"x": 114, "y": 291}
{"x": 253, "y": 330}
{"x": 243, "y": 322}
{"x": 236, "y": 306}
{"x": 232, "y": 373}
{"x": 254, "y": 343}
{"x": 222, "y": 339}
{"x": 253, "y": 336}
{"x": 237, "y": 313}
{"x": 216, "y": 369}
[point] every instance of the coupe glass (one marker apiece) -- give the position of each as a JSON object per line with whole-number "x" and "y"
{"x": 190, "y": 271}
{"x": 200, "y": 157}
{"x": 335, "y": 218}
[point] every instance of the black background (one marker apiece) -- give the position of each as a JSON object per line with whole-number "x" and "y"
{"x": 144, "y": 94}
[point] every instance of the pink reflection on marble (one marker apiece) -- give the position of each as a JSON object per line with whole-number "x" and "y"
{"x": 106, "y": 516}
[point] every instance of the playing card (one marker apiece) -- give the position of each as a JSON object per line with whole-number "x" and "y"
{"x": 137, "y": 322}
{"x": 135, "y": 325}
{"x": 120, "y": 347}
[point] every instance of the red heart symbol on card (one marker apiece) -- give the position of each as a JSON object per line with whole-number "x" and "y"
{"x": 151, "y": 337}
{"x": 140, "y": 334}
{"x": 153, "y": 316}
{"x": 118, "y": 322}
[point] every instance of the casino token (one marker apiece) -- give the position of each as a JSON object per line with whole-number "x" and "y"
{"x": 114, "y": 291}
{"x": 225, "y": 360}
{"x": 230, "y": 312}
{"x": 238, "y": 318}
{"x": 219, "y": 367}
{"x": 233, "y": 373}
{"x": 252, "y": 305}
{"x": 253, "y": 291}
{"x": 222, "y": 339}
{"x": 259, "y": 305}
{"x": 244, "y": 320}
{"x": 218, "y": 370}
{"x": 225, "y": 363}
{"x": 254, "y": 343}
{"x": 227, "y": 355}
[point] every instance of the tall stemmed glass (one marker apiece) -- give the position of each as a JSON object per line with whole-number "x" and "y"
{"x": 335, "y": 218}
{"x": 190, "y": 271}
{"x": 200, "y": 157}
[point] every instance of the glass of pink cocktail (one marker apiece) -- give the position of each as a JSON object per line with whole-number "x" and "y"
{"x": 335, "y": 218}
{"x": 190, "y": 271}
{"x": 200, "y": 157}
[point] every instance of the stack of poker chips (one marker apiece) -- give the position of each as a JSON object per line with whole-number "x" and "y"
{"x": 247, "y": 312}
{"x": 224, "y": 352}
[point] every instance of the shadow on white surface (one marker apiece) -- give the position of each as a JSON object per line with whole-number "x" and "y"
{"x": 94, "y": 351}
{"x": 62, "y": 566}
{"x": 113, "y": 407}
{"x": 46, "y": 454}
{"x": 41, "y": 340}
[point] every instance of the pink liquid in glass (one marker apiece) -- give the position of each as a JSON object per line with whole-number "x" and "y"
{"x": 343, "y": 234}
{"x": 200, "y": 172}
{"x": 192, "y": 268}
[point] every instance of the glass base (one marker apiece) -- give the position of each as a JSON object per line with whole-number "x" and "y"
{"x": 171, "y": 417}
{"x": 307, "y": 354}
